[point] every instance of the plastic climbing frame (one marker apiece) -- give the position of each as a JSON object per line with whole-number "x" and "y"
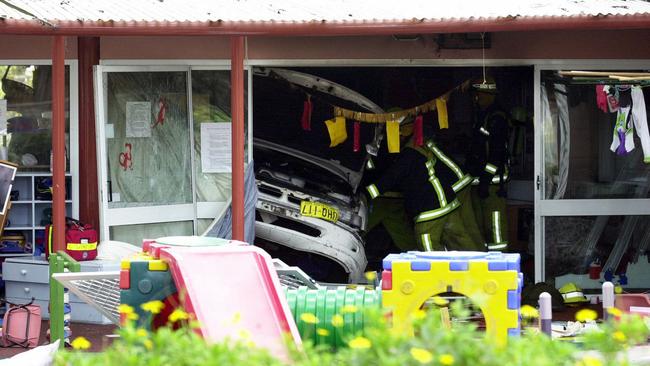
{"x": 490, "y": 280}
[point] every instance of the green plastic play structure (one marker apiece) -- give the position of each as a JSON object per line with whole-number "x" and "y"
{"x": 59, "y": 262}
{"x": 325, "y": 304}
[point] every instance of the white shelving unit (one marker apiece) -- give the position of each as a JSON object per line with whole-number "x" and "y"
{"x": 26, "y": 214}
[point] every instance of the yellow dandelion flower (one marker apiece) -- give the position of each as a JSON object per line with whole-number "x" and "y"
{"x": 371, "y": 276}
{"x": 619, "y": 336}
{"x": 421, "y": 355}
{"x": 125, "y": 309}
{"x": 360, "y": 343}
{"x": 309, "y": 318}
{"x": 419, "y": 314}
{"x": 153, "y": 307}
{"x": 348, "y": 309}
{"x": 446, "y": 359}
{"x": 148, "y": 344}
{"x": 244, "y": 334}
{"x": 322, "y": 332}
{"x": 337, "y": 320}
{"x": 586, "y": 315}
{"x": 178, "y": 314}
{"x": 236, "y": 318}
{"x": 528, "y": 311}
{"x": 440, "y": 301}
{"x": 615, "y": 312}
{"x": 589, "y": 361}
{"x": 132, "y": 316}
{"x": 81, "y": 343}
{"x": 141, "y": 332}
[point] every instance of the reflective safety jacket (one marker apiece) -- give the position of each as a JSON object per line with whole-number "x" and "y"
{"x": 463, "y": 179}
{"x": 424, "y": 181}
{"x": 487, "y": 160}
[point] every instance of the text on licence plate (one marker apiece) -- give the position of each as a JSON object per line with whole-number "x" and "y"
{"x": 319, "y": 210}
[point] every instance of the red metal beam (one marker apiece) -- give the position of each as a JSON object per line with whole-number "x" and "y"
{"x": 237, "y": 111}
{"x": 321, "y": 28}
{"x": 88, "y": 56}
{"x": 58, "y": 142}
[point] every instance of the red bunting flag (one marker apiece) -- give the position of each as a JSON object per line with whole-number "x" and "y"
{"x": 417, "y": 131}
{"x": 357, "y": 136}
{"x": 305, "y": 121}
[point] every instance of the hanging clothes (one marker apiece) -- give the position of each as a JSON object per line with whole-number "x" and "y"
{"x": 631, "y": 115}
{"x": 601, "y": 98}
{"x": 612, "y": 98}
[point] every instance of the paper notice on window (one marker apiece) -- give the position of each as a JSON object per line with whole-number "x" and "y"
{"x": 3, "y": 115}
{"x": 138, "y": 119}
{"x": 216, "y": 147}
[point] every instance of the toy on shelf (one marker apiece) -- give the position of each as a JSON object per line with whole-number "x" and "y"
{"x": 490, "y": 280}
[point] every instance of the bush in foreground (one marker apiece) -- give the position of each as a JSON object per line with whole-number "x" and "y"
{"x": 433, "y": 344}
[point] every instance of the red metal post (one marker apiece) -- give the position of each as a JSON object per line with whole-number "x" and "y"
{"x": 237, "y": 110}
{"x": 88, "y": 55}
{"x": 58, "y": 142}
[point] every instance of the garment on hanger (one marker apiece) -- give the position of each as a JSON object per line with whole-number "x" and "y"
{"x": 601, "y": 98}
{"x": 612, "y": 98}
{"x": 631, "y": 115}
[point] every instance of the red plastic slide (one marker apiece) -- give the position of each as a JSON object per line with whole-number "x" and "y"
{"x": 234, "y": 292}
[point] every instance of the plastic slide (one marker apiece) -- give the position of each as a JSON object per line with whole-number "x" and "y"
{"x": 234, "y": 292}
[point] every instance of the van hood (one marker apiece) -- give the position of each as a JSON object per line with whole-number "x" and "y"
{"x": 280, "y": 158}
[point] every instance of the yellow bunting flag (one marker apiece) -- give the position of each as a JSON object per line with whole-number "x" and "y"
{"x": 337, "y": 130}
{"x": 392, "y": 136}
{"x": 443, "y": 119}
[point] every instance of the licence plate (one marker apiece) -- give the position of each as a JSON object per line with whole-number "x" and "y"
{"x": 319, "y": 210}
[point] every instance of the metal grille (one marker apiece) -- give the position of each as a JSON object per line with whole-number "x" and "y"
{"x": 291, "y": 280}
{"x": 101, "y": 290}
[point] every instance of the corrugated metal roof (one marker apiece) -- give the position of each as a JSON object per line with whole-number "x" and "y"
{"x": 310, "y": 11}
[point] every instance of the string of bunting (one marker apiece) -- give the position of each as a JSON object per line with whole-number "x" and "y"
{"x": 429, "y": 106}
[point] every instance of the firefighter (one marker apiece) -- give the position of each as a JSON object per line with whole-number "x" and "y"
{"x": 429, "y": 198}
{"x": 462, "y": 188}
{"x": 487, "y": 162}
{"x": 388, "y": 210}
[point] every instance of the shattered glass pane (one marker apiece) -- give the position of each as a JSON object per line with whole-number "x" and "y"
{"x": 148, "y": 145}
{"x": 210, "y": 104}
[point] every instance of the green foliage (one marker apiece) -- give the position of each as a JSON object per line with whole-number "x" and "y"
{"x": 432, "y": 344}
{"x": 167, "y": 347}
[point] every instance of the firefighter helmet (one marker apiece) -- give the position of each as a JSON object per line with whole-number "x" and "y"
{"x": 572, "y": 294}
